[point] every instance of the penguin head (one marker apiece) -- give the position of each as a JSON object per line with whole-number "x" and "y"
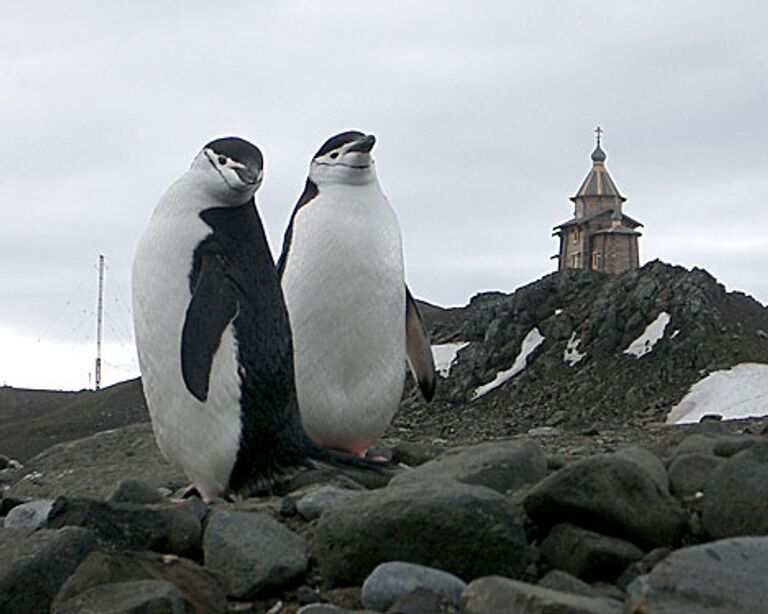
{"x": 344, "y": 158}
{"x": 230, "y": 169}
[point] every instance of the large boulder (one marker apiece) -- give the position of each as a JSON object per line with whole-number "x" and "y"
{"x": 34, "y": 566}
{"x": 722, "y": 576}
{"x": 469, "y": 531}
{"x": 503, "y": 466}
{"x": 610, "y": 494}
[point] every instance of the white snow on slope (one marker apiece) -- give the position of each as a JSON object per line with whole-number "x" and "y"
{"x": 739, "y": 392}
{"x": 652, "y": 333}
{"x": 532, "y": 340}
{"x": 572, "y": 354}
{"x": 445, "y": 355}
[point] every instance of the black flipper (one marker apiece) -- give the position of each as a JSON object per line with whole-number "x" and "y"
{"x": 212, "y": 307}
{"x": 310, "y": 191}
{"x": 418, "y": 348}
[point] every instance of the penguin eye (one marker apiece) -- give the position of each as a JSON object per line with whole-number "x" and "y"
{"x": 222, "y": 160}
{"x": 335, "y": 155}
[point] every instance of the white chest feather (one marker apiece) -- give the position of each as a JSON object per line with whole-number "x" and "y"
{"x": 345, "y": 294}
{"x": 201, "y": 437}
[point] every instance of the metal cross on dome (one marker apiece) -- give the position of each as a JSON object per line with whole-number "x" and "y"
{"x": 599, "y": 132}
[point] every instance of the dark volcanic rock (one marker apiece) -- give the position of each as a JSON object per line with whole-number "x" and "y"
{"x": 723, "y": 576}
{"x": 736, "y": 495}
{"x": 170, "y": 528}
{"x": 609, "y": 494}
{"x": 469, "y": 531}
{"x": 494, "y": 594}
{"x": 586, "y": 554}
{"x": 91, "y": 467}
{"x": 126, "y": 597}
{"x": 255, "y": 552}
{"x": 34, "y": 566}
{"x": 203, "y": 590}
{"x": 503, "y": 466}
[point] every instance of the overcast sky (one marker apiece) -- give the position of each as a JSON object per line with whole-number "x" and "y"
{"x": 484, "y": 113}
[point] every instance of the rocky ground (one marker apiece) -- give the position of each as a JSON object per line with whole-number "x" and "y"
{"x": 560, "y": 491}
{"x": 641, "y": 519}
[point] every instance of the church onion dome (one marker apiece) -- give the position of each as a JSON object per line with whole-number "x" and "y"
{"x": 598, "y": 182}
{"x": 598, "y": 155}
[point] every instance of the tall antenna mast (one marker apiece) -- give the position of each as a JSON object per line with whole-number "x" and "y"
{"x": 99, "y": 321}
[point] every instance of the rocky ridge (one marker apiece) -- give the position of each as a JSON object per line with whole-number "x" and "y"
{"x": 597, "y": 316}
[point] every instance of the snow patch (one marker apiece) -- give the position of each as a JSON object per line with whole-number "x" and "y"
{"x": 651, "y": 335}
{"x": 445, "y": 355}
{"x": 558, "y": 312}
{"x": 739, "y": 392}
{"x": 572, "y": 354}
{"x": 532, "y": 340}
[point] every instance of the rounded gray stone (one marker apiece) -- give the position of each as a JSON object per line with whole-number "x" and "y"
{"x": 313, "y": 504}
{"x": 392, "y": 581}
{"x": 736, "y": 496}
{"x": 586, "y": 554}
{"x": 254, "y": 551}
{"x": 134, "y": 491}
{"x": 31, "y": 515}
{"x": 558, "y": 580}
{"x": 648, "y": 461}
{"x": 609, "y": 494}
{"x": 23, "y": 587}
{"x": 721, "y": 576}
{"x": 126, "y": 597}
{"x": 688, "y": 473}
{"x": 494, "y": 594}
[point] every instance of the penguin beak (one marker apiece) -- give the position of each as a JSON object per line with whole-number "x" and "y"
{"x": 363, "y": 145}
{"x": 248, "y": 175}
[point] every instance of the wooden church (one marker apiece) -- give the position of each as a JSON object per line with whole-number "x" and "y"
{"x": 600, "y": 236}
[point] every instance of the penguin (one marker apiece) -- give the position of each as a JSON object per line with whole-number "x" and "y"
{"x": 354, "y": 320}
{"x": 212, "y": 331}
